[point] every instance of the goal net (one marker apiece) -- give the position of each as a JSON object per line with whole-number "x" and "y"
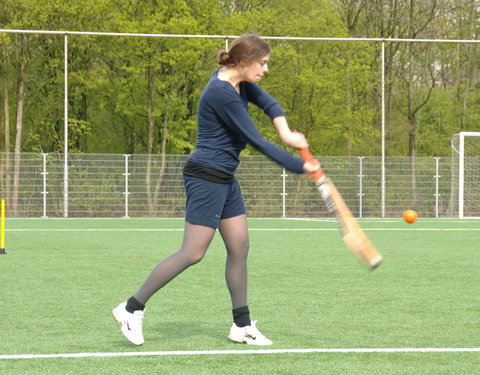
{"x": 465, "y": 192}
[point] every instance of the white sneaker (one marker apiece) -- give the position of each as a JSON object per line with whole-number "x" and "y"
{"x": 249, "y": 334}
{"x": 131, "y": 324}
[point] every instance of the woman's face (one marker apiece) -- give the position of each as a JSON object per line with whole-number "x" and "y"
{"x": 254, "y": 71}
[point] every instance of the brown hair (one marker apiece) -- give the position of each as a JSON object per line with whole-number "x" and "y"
{"x": 247, "y": 48}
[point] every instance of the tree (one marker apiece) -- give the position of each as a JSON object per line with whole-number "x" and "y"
{"x": 4, "y": 94}
{"x": 151, "y": 85}
{"x": 415, "y": 71}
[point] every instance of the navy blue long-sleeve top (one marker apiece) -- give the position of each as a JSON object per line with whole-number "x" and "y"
{"x": 225, "y": 127}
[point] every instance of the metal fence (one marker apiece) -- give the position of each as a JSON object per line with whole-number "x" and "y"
{"x": 383, "y": 43}
{"x": 386, "y": 208}
{"x": 115, "y": 185}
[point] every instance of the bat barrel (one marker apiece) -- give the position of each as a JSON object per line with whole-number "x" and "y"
{"x": 375, "y": 261}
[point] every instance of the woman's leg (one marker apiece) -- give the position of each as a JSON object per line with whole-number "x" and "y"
{"x": 234, "y": 232}
{"x": 235, "y": 235}
{"x": 129, "y": 314}
{"x": 196, "y": 240}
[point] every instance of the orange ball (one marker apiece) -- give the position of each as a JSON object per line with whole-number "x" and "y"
{"x": 410, "y": 216}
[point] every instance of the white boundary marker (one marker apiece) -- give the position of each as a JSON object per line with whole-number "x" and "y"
{"x": 239, "y": 352}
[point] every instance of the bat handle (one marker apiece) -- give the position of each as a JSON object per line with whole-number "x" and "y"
{"x": 317, "y": 176}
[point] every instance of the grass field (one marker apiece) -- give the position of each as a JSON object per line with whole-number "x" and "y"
{"x": 418, "y": 313}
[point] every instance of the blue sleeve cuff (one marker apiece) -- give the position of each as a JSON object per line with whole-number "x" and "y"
{"x": 275, "y": 110}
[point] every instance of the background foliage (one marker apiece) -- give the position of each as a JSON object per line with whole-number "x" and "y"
{"x": 139, "y": 95}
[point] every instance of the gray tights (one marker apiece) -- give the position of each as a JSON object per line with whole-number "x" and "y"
{"x": 196, "y": 240}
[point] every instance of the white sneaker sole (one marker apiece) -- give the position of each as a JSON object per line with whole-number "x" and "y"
{"x": 235, "y": 339}
{"x": 249, "y": 341}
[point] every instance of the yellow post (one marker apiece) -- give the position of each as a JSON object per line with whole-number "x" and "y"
{"x": 2, "y": 239}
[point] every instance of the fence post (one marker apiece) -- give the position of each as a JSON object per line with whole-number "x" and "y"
{"x": 126, "y": 192}
{"x": 65, "y": 128}
{"x": 284, "y": 192}
{"x": 360, "y": 194}
{"x": 437, "y": 177}
{"x": 383, "y": 180}
{"x": 44, "y": 191}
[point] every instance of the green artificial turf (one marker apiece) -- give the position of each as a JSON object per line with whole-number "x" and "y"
{"x": 61, "y": 278}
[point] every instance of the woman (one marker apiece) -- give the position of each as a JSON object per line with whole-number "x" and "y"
{"x": 214, "y": 200}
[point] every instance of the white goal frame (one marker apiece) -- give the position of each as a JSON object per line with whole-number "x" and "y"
{"x": 461, "y": 173}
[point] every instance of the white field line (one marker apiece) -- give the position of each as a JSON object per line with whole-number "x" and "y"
{"x": 239, "y": 352}
{"x": 363, "y": 219}
{"x": 250, "y": 229}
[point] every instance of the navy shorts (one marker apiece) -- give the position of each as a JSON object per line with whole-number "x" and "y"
{"x": 209, "y": 202}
